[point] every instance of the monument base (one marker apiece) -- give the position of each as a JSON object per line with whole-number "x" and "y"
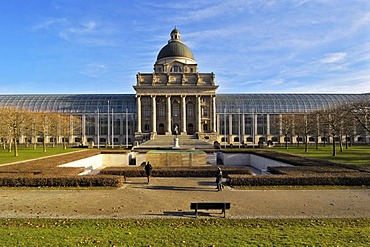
{"x": 176, "y": 158}
{"x": 176, "y": 143}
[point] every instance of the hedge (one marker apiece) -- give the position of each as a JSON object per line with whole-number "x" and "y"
{"x": 61, "y": 181}
{"x": 351, "y": 179}
{"x": 296, "y": 170}
{"x": 201, "y": 171}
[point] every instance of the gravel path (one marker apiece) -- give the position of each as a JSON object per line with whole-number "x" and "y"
{"x": 171, "y": 197}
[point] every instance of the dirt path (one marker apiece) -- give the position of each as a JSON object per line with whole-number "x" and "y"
{"x": 171, "y": 197}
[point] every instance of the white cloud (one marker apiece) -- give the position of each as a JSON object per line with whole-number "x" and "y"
{"x": 93, "y": 70}
{"x": 51, "y": 22}
{"x": 334, "y": 57}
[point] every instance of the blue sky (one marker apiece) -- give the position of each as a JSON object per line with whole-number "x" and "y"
{"x": 96, "y": 46}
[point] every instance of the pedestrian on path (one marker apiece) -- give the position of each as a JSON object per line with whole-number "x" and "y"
{"x": 219, "y": 179}
{"x": 148, "y": 170}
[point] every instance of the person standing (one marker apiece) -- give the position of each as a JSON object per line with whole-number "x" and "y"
{"x": 219, "y": 179}
{"x": 148, "y": 170}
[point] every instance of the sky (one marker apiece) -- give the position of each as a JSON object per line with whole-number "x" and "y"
{"x": 265, "y": 46}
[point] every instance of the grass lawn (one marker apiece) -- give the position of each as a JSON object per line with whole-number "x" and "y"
{"x": 185, "y": 232}
{"x": 30, "y": 153}
{"x": 356, "y": 155}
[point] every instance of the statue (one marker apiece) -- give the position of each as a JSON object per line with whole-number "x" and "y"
{"x": 176, "y": 139}
{"x": 176, "y": 130}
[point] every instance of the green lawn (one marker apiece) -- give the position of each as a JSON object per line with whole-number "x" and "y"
{"x": 356, "y": 155}
{"x": 30, "y": 153}
{"x": 185, "y": 232}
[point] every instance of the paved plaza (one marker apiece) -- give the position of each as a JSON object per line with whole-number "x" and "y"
{"x": 171, "y": 197}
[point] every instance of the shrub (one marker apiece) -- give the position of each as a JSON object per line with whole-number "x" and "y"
{"x": 309, "y": 170}
{"x": 62, "y": 181}
{"x": 201, "y": 171}
{"x": 351, "y": 179}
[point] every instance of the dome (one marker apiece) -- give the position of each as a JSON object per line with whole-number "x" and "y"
{"x": 175, "y": 48}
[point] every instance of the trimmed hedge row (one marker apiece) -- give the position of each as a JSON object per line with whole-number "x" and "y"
{"x": 296, "y": 170}
{"x": 351, "y": 179}
{"x": 207, "y": 171}
{"x": 49, "y": 181}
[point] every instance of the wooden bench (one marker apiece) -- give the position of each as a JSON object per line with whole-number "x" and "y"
{"x": 210, "y": 205}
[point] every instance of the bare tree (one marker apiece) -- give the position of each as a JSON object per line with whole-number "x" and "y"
{"x": 360, "y": 110}
{"x": 15, "y": 122}
{"x": 287, "y": 124}
{"x": 305, "y": 124}
{"x": 43, "y": 122}
{"x": 334, "y": 119}
{"x": 69, "y": 125}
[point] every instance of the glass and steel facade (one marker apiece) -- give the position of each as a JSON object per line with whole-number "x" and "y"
{"x": 241, "y": 118}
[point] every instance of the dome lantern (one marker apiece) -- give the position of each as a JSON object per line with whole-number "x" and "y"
{"x": 175, "y": 48}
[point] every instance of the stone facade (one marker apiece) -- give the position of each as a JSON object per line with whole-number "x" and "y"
{"x": 175, "y": 98}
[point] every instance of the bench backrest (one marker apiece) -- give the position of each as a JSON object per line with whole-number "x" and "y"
{"x": 210, "y": 205}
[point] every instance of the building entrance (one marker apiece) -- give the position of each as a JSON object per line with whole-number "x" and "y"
{"x": 190, "y": 129}
{"x": 161, "y": 129}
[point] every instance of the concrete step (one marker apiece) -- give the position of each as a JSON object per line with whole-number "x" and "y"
{"x": 184, "y": 141}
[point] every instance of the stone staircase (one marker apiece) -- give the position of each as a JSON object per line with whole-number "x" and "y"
{"x": 185, "y": 142}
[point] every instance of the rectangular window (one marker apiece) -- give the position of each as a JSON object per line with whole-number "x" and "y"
{"x": 161, "y": 111}
{"x": 146, "y": 112}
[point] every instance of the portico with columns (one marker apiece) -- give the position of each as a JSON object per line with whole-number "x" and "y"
{"x": 175, "y": 96}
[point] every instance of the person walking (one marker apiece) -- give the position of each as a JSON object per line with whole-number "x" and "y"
{"x": 148, "y": 170}
{"x": 219, "y": 179}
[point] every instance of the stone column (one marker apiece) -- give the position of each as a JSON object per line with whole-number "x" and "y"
{"x": 199, "y": 115}
{"x": 218, "y": 124}
{"x": 243, "y": 125}
{"x": 154, "y": 114}
{"x": 255, "y": 124}
{"x": 183, "y": 114}
{"x": 83, "y": 137}
{"x": 230, "y": 124}
{"x": 97, "y": 127}
{"x": 267, "y": 126}
{"x": 138, "y": 114}
{"x": 168, "y": 115}
{"x": 213, "y": 113}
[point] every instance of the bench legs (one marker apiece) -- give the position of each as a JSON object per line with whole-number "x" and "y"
{"x": 222, "y": 212}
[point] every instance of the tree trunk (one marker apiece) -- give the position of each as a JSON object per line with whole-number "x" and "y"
{"x": 10, "y": 147}
{"x": 286, "y": 141}
{"x": 44, "y": 143}
{"x": 298, "y": 141}
{"x": 340, "y": 143}
{"x": 346, "y": 141}
{"x": 334, "y": 153}
{"x": 15, "y": 148}
{"x": 306, "y": 143}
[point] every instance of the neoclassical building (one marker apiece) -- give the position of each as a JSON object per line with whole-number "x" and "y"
{"x": 178, "y": 99}
{"x": 175, "y": 97}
